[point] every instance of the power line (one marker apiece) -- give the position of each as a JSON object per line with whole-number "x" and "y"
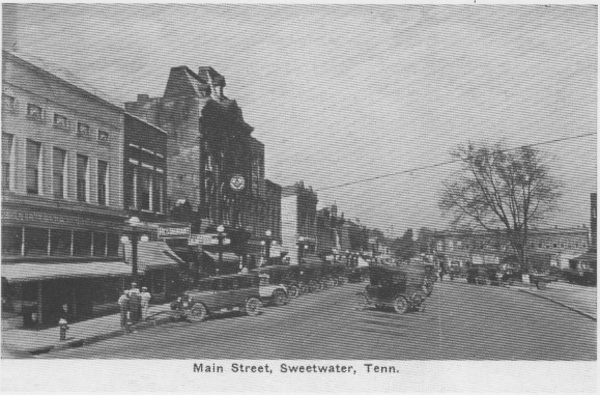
{"x": 448, "y": 162}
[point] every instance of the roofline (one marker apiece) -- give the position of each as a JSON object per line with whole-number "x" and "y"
{"x": 63, "y": 81}
{"x": 146, "y": 122}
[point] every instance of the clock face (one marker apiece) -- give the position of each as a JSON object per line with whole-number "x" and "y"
{"x": 237, "y": 183}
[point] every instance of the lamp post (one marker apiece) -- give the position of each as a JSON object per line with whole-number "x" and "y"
{"x": 134, "y": 222}
{"x": 221, "y": 236}
{"x": 267, "y": 243}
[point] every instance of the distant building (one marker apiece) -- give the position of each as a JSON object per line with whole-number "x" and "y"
{"x": 550, "y": 246}
{"x": 299, "y": 226}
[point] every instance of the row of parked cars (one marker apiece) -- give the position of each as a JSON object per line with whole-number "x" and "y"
{"x": 248, "y": 292}
{"x": 494, "y": 275}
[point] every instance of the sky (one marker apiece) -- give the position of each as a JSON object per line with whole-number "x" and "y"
{"x": 344, "y": 93}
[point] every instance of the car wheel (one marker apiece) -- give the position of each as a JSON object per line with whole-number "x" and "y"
{"x": 401, "y": 305}
{"x": 253, "y": 306}
{"x": 198, "y": 313}
{"x": 541, "y": 285}
{"x": 279, "y": 298}
{"x": 361, "y": 301}
{"x": 293, "y": 291}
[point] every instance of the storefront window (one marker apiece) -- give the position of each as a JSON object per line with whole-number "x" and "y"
{"x": 36, "y": 241}
{"x": 99, "y": 244}
{"x": 82, "y": 243}
{"x": 113, "y": 244}
{"x": 60, "y": 242}
{"x": 11, "y": 240}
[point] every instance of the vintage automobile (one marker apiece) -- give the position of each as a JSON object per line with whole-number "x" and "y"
{"x": 400, "y": 287}
{"x": 336, "y": 272}
{"x": 271, "y": 292}
{"x": 358, "y": 274}
{"x": 219, "y": 294}
{"x": 541, "y": 280}
{"x": 482, "y": 275}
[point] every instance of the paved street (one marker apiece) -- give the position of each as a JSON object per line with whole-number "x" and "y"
{"x": 462, "y": 322}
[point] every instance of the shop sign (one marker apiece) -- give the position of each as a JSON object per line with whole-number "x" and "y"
{"x": 48, "y": 218}
{"x": 275, "y": 251}
{"x": 202, "y": 239}
{"x": 174, "y": 232}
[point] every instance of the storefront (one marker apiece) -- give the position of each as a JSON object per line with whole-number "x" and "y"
{"x": 59, "y": 258}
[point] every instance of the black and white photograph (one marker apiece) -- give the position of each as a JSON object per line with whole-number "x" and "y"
{"x": 310, "y": 197}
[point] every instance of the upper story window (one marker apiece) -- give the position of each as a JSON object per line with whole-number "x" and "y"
{"x": 8, "y": 101}
{"x": 7, "y": 160}
{"x": 82, "y": 178}
{"x": 102, "y": 182}
{"x": 60, "y": 121}
{"x": 58, "y": 172}
{"x": 103, "y": 136}
{"x": 34, "y": 111}
{"x": 32, "y": 175}
{"x": 83, "y": 129}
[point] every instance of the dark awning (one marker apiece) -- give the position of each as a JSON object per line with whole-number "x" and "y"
{"x": 23, "y": 272}
{"x": 227, "y": 256}
{"x": 588, "y": 257}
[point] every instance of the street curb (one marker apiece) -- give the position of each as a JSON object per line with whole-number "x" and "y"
{"x": 71, "y": 343}
{"x": 559, "y": 303}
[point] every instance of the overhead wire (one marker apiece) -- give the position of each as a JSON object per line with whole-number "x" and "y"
{"x": 448, "y": 162}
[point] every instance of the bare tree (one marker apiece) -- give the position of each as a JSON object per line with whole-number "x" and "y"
{"x": 501, "y": 190}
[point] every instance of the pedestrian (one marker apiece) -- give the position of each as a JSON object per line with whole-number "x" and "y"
{"x": 145, "y": 296}
{"x": 441, "y": 273}
{"x": 135, "y": 305}
{"x": 124, "y": 307}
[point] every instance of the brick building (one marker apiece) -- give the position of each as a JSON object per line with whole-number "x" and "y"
{"x": 299, "y": 222}
{"x": 545, "y": 247}
{"x": 216, "y": 168}
{"x": 62, "y": 195}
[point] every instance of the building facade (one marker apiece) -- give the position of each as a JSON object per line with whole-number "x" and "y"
{"x": 299, "y": 222}
{"x": 545, "y": 247}
{"x": 216, "y": 168}
{"x": 62, "y": 198}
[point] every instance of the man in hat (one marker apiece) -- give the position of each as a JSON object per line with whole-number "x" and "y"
{"x": 145, "y": 296}
{"x": 134, "y": 302}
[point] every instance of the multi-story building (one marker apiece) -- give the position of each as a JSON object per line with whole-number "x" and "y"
{"x": 299, "y": 227}
{"x": 216, "y": 168}
{"x": 62, "y": 195}
{"x": 551, "y": 246}
{"x": 329, "y": 226}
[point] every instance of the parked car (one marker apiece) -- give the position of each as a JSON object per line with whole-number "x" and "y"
{"x": 400, "y": 287}
{"x": 219, "y": 294}
{"x": 272, "y": 293}
{"x": 482, "y": 275}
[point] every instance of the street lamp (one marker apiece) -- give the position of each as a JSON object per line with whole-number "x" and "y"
{"x": 221, "y": 235}
{"x": 134, "y": 222}
{"x": 267, "y": 243}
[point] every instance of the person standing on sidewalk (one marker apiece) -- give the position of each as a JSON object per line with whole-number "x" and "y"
{"x": 124, "y": 307}
{"x": 145, "y": 296}
{"x": 135, "y": 305}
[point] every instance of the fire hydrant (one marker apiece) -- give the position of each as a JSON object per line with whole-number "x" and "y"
{"x": 63, "y": 325}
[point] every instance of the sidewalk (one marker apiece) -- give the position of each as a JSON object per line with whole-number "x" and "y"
{"x": 579, "y": 298}
{"x": 20, "y": 341}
